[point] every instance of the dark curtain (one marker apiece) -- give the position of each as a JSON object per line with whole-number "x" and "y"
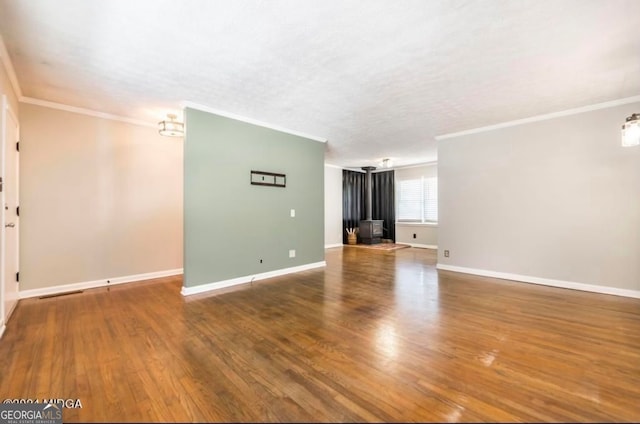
{"x": 383, "y": 194}
{"x": 352, "y": 200}
{"x": 383, "y": 198}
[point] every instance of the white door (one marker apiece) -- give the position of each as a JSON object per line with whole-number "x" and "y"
{"x": 9, "y": 210}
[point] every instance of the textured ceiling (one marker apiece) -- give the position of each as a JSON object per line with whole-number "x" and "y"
{"x": 376, "y": 78}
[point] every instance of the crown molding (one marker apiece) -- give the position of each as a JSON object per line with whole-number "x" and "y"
{"x": 333, "y": 166}
{"x": 83, "y": 111}
{"x": 544, "y": 117}
{"x": 8, "y": 66}
{"x": 417, "y": 165}
{"x": 393, "y": 168}
{"x": 203, "y": 108}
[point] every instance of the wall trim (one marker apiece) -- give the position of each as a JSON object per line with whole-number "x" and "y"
{"x": 11, "y": 112}
{"x": 543, "y": 281}
{"x": 421, "y": 246}
{"x": 332, "y": 166}
{"x": 2, "y": 328}
{"x": 355, "y": 169}
{"x": 88, "y": 112}
{"x": 330, "y": 246}
{"x": 543, "y": 117}
{"x": 417, "y": 165}
{"x": 201, "y": 288}
{"x": 3, "y": 136}
{"x": 97, "y": 283}
{"x": 393, "y": 168}
{"x": 8, "y": 66}
{"x": 252, "y": 121}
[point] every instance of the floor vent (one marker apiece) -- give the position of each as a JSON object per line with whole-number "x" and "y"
{"x": 60, "y": 294}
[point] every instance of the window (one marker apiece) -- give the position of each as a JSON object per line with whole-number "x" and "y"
{"x": 418, "y": 200}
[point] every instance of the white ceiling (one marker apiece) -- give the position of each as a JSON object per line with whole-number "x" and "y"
{"x": 376, "y": 78}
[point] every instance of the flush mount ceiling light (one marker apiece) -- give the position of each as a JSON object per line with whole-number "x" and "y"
{"x": 171, "y": 128}
{"x": 631, "y": 130}
{"x": 386, "y": 163}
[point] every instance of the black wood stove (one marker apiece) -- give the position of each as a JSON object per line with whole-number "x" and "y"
{"x": 370, "y": 230}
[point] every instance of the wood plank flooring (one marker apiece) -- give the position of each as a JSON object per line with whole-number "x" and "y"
{"x": 376, "y": 336}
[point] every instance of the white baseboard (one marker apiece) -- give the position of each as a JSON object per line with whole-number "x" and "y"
{"x": 187, "y": 291}
{"x": 543, "y": 281}
{"x": 421, "y": 246}
{"x": 329, "y": 246}
{"x": 97, "y": 283}
{"x": 2, "y": 328}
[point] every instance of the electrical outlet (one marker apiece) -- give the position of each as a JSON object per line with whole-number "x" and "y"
{"x": 293, "y": 213}
{"x": 414, "y": 235}
{"x": 292, "y": 253}
{"x": 446, "y": 253}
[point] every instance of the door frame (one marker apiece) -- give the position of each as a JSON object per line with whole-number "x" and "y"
{"x": 7, "y": 113}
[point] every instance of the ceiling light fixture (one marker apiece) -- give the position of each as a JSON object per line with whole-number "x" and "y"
{"x": 631, "y": 130}
{"x": 171, "y": 128}
{"x": 386, "y": 163}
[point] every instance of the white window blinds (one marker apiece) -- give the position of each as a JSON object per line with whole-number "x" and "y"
{"x": 410, "y": 200}
{"x": 430, "y": 200}
{"x": 418, "y": 200}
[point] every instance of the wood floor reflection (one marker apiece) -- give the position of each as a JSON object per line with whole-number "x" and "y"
{"x": 376, "y": 336}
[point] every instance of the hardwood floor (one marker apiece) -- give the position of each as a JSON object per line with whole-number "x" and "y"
{"x": 376, "y": 336}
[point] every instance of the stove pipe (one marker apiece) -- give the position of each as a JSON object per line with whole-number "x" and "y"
{"x": 368, "y": 199}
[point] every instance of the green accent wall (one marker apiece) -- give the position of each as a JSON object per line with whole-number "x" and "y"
{"x": 230, "y": 224}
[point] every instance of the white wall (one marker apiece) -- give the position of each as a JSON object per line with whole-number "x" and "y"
{"x": 332, "y": 206}
{"x": 100, "y": 199}
{"x": 426, "y": 235}
{"x": 554, "y": 202}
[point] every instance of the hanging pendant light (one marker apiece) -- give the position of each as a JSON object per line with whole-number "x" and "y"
{"x": 171, "y": 128}
{"x": 631, "y": 131}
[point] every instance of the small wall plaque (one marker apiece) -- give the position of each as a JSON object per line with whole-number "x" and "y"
{"x": 268, "y": 179}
